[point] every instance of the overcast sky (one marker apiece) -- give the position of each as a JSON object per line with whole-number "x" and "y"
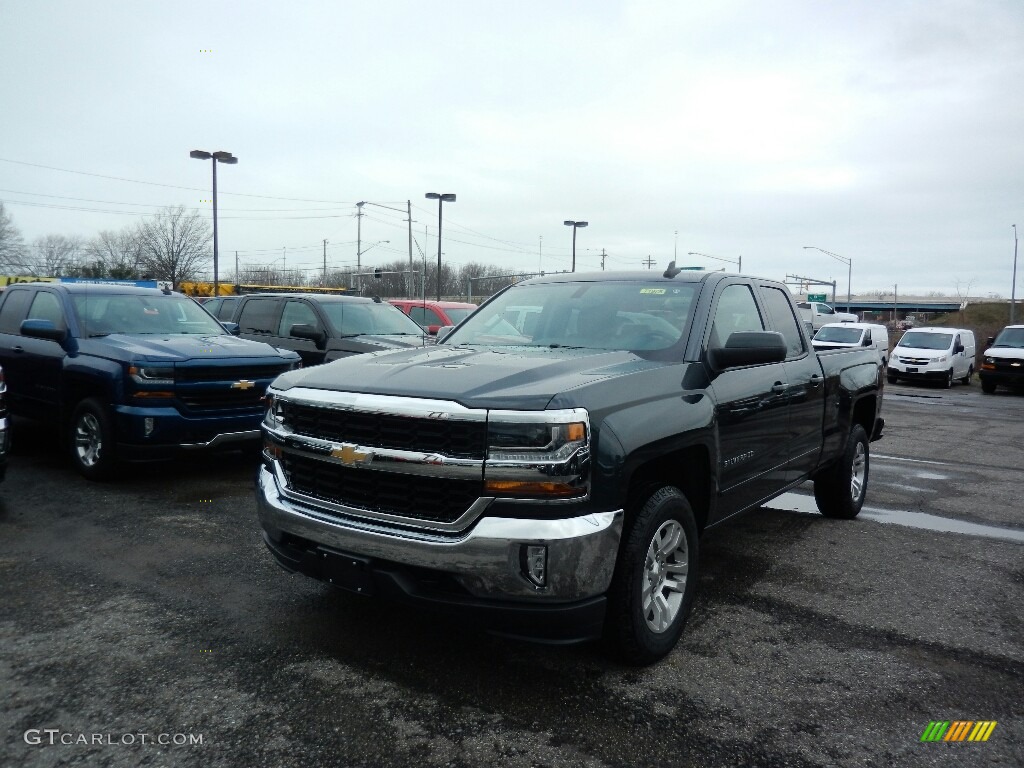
{"x": 890, "y": 133}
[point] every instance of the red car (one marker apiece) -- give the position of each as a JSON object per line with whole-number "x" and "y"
{"x": 434, "y": 314}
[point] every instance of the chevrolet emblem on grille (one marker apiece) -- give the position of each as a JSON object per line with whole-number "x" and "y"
{"x": 351, "y": 455}
{"x": 243, "y": 384}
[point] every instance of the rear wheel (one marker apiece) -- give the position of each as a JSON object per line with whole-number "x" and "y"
{"x": 839, "y": 490}
{"x": 92, "y": 440}
{"x": 655, "y": 578}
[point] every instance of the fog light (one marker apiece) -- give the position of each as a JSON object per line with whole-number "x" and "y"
{"x": 148, "y": 424}
{"x": 534, "y": 559}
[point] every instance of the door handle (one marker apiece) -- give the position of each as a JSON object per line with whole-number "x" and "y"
{"x": 778, "y": 388}
{"x": 815, "y": 380}
{"x": 19, "y": 349}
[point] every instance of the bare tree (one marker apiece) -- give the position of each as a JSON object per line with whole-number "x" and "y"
{"x": 963, "y": 291}
{"x": 114, "y": 254}
{"x": 54, "y": 256}
{"x": 175, "y": 245}
{"x": 12, "y": 246}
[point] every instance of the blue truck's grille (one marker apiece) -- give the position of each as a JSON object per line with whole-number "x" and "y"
{"x": 455, "y": 439}
{"x": 423, "y": 498}
{"x": 223, "y": 398}
{"x": 229, "y": 372}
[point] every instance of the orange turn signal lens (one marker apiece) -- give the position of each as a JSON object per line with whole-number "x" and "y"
{"x": 530, "y": 488}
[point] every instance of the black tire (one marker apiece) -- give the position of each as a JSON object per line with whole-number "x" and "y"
{"x": 91, "y": 438}
{"x": 641, "y": 628}
{"x": 948, "y": 383}
{"x": 967, "y": 379}
{"x": 892, "y": 379}
{"x": 839, "y": 491}
{"x": 988, "y": 387}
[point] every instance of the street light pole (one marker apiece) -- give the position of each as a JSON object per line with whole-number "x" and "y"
{"x": 738, "y": 261}
{"x": 1013, "y": 285}
{"x": 575, "y": 225}
{"x": 447, "y": 197}
{"x": 217, "y": 157}
{"x": 849, "y": 268}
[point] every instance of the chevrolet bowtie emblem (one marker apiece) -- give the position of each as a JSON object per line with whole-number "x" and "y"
{"x": 351, "y": 455}
{"x": 243, "y": 384}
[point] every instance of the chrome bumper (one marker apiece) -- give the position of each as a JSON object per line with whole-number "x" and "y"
{"x": 485, "y": 559}
{"x": 224, "y": 439}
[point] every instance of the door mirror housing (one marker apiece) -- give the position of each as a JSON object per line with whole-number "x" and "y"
{"x": 231, "y": 328}
{"x": 749, "y": 348}
{"x": 43, "y": 329}
{"x": 311, "y": 332}
{"x": 443, "y": 331}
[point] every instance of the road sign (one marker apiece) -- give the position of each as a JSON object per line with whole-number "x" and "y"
{"x": 817, "y": 297}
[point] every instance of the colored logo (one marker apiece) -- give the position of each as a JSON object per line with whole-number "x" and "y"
{"x": 350, "y": 455}
{"x": 243, "y": 384}
{"x": 958, "y": 730}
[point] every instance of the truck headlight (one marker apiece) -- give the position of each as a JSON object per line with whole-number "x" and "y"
{"x": 274, "y": 416}
{"x": 162, "y": 375}
{"x": 543, "y": 454}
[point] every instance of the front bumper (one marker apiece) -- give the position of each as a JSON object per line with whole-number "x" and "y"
{"x": 173, "y": 432}
{"x": 1005, "y": 378}
{"x": 477, "y": 573}
{"x": 918, "y": 372}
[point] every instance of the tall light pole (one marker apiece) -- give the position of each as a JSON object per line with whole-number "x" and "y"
{"x": 217, "y": 157}
{"x": 844, "y": 260}
{"x": 1013, "y": 285}
{"x": 447, "y": 197}
{"x": 737, "y": 261}
{"x": 575, "y": 225}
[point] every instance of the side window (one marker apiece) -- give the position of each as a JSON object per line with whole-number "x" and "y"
{"x": 226, "y": 308}
{"x": 296, "y": 313}
{"x": 867, "y": 338}
{"x": 825, "y": 309}
{"x": 434, "y": 319}
{"x": 784, "y": 320}
{"x": 259, "y": 316}
{"x": 419, "y": 314}
{"x": 13, "y": 311}
{"x": 46, "y": 306}
{"x": 736, "y": 312}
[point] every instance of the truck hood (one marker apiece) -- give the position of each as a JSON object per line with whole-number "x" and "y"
{"x": 176, "y": 347}
{"x": 374, "y": 343}
{"x": 1006, "y": 353}
{"x": 476, "y": 377}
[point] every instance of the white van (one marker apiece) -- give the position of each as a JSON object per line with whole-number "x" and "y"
{"x": 815, "y": 314}
{"x": 840, "y": 335}
{"x": 938, "y": 354}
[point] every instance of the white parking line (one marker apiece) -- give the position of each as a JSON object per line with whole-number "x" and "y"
{"x": 912, "y": 461}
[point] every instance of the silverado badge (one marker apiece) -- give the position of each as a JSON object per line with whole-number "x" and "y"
{"x": 350, "y": 455}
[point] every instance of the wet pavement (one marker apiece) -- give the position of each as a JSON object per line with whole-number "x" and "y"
{"x": 149, "y": 609}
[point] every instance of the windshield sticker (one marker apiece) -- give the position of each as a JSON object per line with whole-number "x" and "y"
{"x": 658, "y": 291}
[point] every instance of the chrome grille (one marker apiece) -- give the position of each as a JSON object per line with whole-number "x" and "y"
{"x": 451, "y": 438}
{"x": 431, "y": 499}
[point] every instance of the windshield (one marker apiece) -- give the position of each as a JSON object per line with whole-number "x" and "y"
{"x": 100, "y": 315}
{"x": 595, "y": 315}
{"x": 1010, "y": 337}
{"x": 457, "y": 314}
{"x": 926, "y": 340}
{"x": 356, "y": 318}
{"x": 839, "y": 335}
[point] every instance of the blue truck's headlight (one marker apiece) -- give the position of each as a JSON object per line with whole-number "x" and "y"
{"x": 162, "y": 375}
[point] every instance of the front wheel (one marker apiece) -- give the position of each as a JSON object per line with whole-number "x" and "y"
{"x": 949, "y": 379}
{"x": 839, "y": 490}
{"x": 967, "y": 379}
{"x": 892, "y": 379}
{"x": 92, "y": 440}
{"x": 655, "y": 578}
{"x": 988, "y": 387}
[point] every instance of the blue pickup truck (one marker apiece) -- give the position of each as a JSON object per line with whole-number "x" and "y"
{"x": 131, "y": 373}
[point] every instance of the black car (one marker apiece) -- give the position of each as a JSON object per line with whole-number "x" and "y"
{"x": 222, "y": 307}
{"x": 323, "y": 328}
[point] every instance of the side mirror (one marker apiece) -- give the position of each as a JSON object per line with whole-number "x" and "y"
{"x": 866, "y": 342}
{"x": 43, "y": 329}
{"x": 310, "y": 332}
{"x": 443, "y": 332}
{"x": 749, "y": 348}
{"x": 991, "y": 340}
{"x": 231, "y": 328}
{"x": 958, "y": 349}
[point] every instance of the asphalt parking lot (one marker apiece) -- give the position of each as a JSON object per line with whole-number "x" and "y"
{"x": 145, "y": 619}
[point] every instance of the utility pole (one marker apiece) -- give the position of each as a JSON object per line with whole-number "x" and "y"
{"x": 648, "y": 261}
{"x": 540, "y": 253}
{"x": 1013, "y": 284}
{"x": 602, "y": 259}
{"x": 236, "y": 271}
{"x": 323, "y": 282}
{"x": 408, "y": 218}
{"x": 675, "y": 248}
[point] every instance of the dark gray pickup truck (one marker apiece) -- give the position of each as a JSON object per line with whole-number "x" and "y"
{"x": 553, "y": 484}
